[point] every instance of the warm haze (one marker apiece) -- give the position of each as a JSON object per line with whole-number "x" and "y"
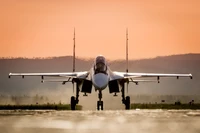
{"x": 43, "y": 28}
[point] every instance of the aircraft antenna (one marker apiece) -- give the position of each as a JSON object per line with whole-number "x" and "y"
{"x": 74, "y": 57}
{"x": 127, "y": 56}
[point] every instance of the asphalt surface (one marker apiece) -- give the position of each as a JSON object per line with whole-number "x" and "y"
{"x": 113, "y": 121}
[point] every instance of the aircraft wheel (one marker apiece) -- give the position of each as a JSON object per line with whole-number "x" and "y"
{"x": 127, "y": 103}
{"x": 73, "y": 103}
{"x": 99, "y": 105}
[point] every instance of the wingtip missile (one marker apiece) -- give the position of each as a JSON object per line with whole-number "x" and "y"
{"x": 9, "y": 75}
{"x": 191, "y": 77}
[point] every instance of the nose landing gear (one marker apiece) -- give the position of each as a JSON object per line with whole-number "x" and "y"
{"x": 100, "y": 103}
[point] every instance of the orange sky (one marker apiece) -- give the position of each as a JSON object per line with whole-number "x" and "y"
{"x": 43, "y": 28}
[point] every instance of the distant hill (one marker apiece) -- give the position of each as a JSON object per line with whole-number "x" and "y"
{"x": 187, "y": 63}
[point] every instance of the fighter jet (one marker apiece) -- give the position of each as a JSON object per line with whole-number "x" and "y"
{"x": 100, "y": 77}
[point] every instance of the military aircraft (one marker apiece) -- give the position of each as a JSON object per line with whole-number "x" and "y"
{"x": 100, "y": 77}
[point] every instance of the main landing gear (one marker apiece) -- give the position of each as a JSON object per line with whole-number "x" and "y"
{"x": 73, "y": 103}
{"x": 100, "y": 103}
{"x": 125, "y": 100}
{"x": 75, "y": 100}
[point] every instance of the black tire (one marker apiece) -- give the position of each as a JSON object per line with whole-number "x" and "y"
{"x": 98, "y": 105}
{"x": 101, "y": 105}
{"x": 73, "y": 103}
{"x": 127, "y": 103}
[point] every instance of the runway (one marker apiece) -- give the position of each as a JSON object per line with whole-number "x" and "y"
{"x": 116, "y": 121}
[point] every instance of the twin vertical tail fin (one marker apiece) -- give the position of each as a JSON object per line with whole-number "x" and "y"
{"x": 127, "y": 57}
{"x": 127, "y": 50}
{"x": 74, "y": 57}
{"x": 74, "y": 52}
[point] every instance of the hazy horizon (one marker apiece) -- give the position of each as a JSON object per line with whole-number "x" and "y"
{"x": 89, "y": 58}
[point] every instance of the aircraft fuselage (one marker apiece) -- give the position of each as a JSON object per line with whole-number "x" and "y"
{"x": 100, "y": 74}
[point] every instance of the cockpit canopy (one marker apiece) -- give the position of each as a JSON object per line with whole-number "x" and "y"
{"x": 100, "y": 64}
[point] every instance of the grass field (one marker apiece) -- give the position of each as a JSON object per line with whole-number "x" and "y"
{"x": 40, "y": 107}
{"x": 79, "y": 107}
{"x": 164, "y": 106}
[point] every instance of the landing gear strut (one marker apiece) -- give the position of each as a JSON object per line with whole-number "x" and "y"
{"x": 125, "y": 100}
{"x": 100, "y": 103}
{"x": 75, "y": 100}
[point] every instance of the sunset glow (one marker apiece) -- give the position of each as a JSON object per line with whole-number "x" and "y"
{"x": 43, "y": 28}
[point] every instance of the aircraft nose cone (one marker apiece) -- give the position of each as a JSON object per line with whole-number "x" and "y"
{"x": 100, "y": 80}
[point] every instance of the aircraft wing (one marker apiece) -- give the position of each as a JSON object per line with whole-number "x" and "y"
{"x": 136, "y": 81}
{"x": 63, "y": 81}
{"x": 121, "y": 75}
{"x": 80, "y": 75}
